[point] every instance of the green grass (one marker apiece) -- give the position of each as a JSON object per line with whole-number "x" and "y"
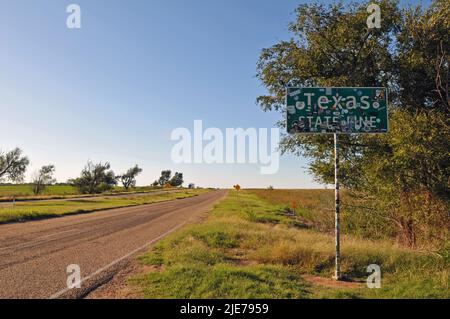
{"x": 250, "y": 248}
{"x": 222, "y": 281}
{"x": 25, "y": 192}
{"x": 36, "y": 210}
{"x": 22, "y": 190}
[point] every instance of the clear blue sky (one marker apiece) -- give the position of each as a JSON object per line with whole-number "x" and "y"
{"x": 115, "y": 89}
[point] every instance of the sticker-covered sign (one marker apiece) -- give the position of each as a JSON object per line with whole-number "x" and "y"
{"x": 336, "y": 110}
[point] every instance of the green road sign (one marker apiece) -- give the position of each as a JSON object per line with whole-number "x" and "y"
{"x": 336, "y": 110}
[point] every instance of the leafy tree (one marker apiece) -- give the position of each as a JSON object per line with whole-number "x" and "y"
{"x": 165, "y": 177}
{"x": 43, "y": 178}
{"x": 176, "y": 180}
{"x": 407, "y": 179}
{"x": 13, "y": 165}
{"x": 95, "y": 178}
{"x": 129, "y": 178}
{"x": 331, "y": 46}
{"x": 401, "y": 177}
{"x": 423, "y": 58}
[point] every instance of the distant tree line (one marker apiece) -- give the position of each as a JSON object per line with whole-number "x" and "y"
{"x": 166, "y": 179}
{"x": 94, "y": 178}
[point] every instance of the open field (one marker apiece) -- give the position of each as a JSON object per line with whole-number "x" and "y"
{"x": 36, "y": 210}
{"x": 315, "y": 207}
{"x": 24, "y": 192}
{"x": 251, "y": 248}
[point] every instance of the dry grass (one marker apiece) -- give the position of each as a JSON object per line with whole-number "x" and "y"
{"x": 315, "y": 207}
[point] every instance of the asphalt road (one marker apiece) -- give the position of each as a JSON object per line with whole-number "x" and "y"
{"x": 34, "y": 256}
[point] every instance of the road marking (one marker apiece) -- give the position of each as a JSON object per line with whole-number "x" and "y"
{"x": 65, "y": 290}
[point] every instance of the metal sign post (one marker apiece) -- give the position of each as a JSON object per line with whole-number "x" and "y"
{"x": 337, "y": 225}
{"x": 336, "y": 110}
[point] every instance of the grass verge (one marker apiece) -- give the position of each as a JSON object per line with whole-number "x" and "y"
{"x": 251, "y": 248}
{"x": 23, "y": 192}
{"x": 37, "y": 210}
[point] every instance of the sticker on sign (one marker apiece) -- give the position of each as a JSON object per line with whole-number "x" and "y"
{"x": 337, "y": 110}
